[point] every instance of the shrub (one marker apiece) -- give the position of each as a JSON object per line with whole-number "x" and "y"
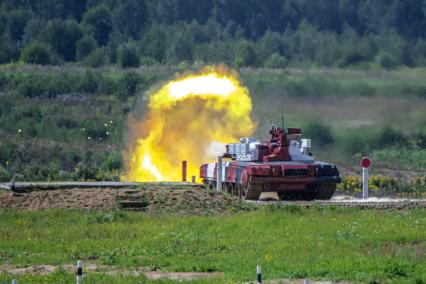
{"x": 418, "y": 183}
{"x": 96, "y": 130}
{"x": 36, "y": 53}
{"x": 89, "y": 82}
{"x": 32, "y": 86}
{"x": 96, "y": 58}
{"x": 352, "y": 57}
{"x": 387, "y": 61}
{"x": 85, "y": 46}
{"x": 245, "y": 54}
{"x": 113, "y": 161}
{"x": 380, "y": 184}
{"x": 319, "y": 132}
{"x": 128, "y": 84}
{"x": 275, "y": 61}
{"x": 107, "y": 85}
{"x": 84, "y": 172}
{"x": 391, "y": 137}
{"x": 5, "y": 175}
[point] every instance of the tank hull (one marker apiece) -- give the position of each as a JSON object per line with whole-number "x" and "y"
{"x": 290, "y": 180}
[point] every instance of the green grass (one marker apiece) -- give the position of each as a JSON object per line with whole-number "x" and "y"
{"x": 289, "y": 242}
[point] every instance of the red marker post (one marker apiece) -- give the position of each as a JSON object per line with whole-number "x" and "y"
{"x": 365, "y": 164}
{"x": 184, "y": 165}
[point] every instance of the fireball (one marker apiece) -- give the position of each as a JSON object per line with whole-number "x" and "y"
{"x": 189, "y": 118}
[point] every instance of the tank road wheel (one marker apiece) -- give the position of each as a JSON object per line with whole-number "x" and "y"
{"x": 236, "y": 191}
{"x": 242, "y": 191}
{"x": 230, "y": 188}
{"x": 325, "y": 191}
{"x": 211, "y": 185}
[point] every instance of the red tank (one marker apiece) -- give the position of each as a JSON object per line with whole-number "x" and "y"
{"x": 283, "y": 165}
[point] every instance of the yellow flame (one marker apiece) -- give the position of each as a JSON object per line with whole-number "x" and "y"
{"x": 189, "y": 118}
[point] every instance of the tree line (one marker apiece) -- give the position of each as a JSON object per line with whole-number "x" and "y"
{"x": 273, "y": 33}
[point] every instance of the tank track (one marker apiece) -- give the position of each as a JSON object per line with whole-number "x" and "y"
{"x": 252, "y": 191}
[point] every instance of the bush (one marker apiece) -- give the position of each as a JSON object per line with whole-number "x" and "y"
{"x": 245, "y": 54}
{"x": 387, "y": 61}
{"x": 32, "y": 86}
{"x": 96, "y": 58}
{"x": 319, "y": 132}
{"x": 376, "y": 184}
{"x": 5, "y": 175}
{"x": 391, "y": 137}
{"x": 352, "y": 57}
{"x": 107, "y": 85}
{"x": 113, "y": 161}
{"x": 128, "y": 84}
{"x": 275, "y": 61}
{"x": 128, "y": 55}
{"x": 85, "y": 46}
{"x": 89, "y": 83}
{"x": 36, "y": 53}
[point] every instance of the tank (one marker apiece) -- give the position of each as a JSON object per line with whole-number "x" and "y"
{"x": 282, "y": 164}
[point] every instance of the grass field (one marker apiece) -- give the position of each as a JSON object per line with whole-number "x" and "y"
{"x": 289, "y": 242}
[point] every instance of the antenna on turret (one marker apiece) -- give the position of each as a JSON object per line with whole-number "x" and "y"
{"x": 282, "y": 112}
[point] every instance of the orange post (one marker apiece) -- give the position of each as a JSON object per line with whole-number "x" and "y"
{"x": 184, "y": 171}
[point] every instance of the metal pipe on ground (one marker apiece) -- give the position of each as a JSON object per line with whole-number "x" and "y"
{"x": 219, "y": 174}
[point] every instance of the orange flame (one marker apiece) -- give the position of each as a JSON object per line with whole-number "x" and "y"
{"x": 189, "y": 118}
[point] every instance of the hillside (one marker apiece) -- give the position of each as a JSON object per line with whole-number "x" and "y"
{"x": 68, "y": 122}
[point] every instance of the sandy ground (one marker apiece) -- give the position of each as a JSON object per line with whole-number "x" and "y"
{"x": 153, "y": 275}
{"x": 109, "y": 270}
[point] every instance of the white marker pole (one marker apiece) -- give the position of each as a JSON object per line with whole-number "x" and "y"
{"x": 79, "y": 271}
{"x": 364, "y": 183}
{"x": 306, "y": 281}
{"x": 14, "y": 281}
{"x": 219, "y": 174}
{"x": 259, "y": 274}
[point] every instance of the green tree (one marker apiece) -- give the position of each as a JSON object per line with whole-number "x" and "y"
{"x": 128, "y": 55}
{"x": 269, "y": 44}
{"x": 386, "y": 60}
{"x": 36, "y": 53}
{"x": 8, "y": 50}
{"x": 85, "y": 46}
{"x": 130, "y": 17}
{"x": 245, "y": 54}
{"x": 99, "y": 22}
{"x": 63, "y": 36}
{"x": 16, "y": 22}
{"x": 96, "y": 58}
{"x": 275, "y": 61}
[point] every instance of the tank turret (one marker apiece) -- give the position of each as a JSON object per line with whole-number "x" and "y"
{"x": 281, "y": 146}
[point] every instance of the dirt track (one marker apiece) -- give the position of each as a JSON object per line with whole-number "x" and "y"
{"x": 178, "y": 199}
{"x": 151, "y": 199}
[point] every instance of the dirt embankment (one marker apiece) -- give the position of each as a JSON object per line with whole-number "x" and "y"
{"x": 151, "y": 199}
